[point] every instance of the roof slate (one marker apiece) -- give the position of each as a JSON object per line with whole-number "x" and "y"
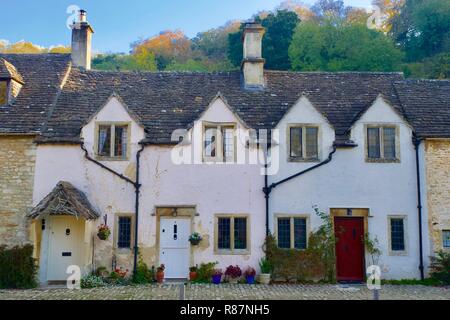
{"x": 165, "y": 101}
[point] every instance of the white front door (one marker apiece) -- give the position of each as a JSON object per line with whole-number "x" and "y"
{"x": 65, "y": 239}
{"x": 174, "y": 249}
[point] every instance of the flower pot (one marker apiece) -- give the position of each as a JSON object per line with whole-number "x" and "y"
{"x": 233, "y": 280}
{"x": 194, "y": 242}
{"x": 160, "y": 276}
{"x": 264, "y": 278}
{"x": 102, "y": 236}
{"x": 192, "y": 275}
{"x": 250, "y": 279}
{"x": 216, "y": 278}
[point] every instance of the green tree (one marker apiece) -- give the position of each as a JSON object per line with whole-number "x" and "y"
{"x": 342, "y": 47}
{"x": 280, "y": 28}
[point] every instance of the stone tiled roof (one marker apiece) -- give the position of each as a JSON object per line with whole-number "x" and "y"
{"x": 165, "y": 101}
{"x": 42, "y": 75}
{"x": 169, "y": 100}
{"x": 65, "y": 199}
{"x": 8, "y": 71}
{"x": 426, "y": 104}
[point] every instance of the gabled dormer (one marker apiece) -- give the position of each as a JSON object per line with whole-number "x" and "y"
{"x": 10, "y": 82}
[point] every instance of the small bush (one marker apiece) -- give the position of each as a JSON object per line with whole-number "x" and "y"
{"x": 440, "y": 267}
{"x": 92, "y": 281}
{"x": 18, "y": 268}
{"x": 205, "y": 272}
{"x": 233, "y": 272}
{"x": 265, "y": 265}
{"x": 143, "y": 273}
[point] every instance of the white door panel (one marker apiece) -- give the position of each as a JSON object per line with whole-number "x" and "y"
{"x": 175, "y": 246}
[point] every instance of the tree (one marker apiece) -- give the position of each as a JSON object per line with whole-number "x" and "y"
{"x": 329, "y": 8}
{"x": 279, "y": 27}
{"x": 279, "y": 31}
{"x": 342, "y": 47}
{"x": 422, "y": 28}
{"x": 390, "y": 9}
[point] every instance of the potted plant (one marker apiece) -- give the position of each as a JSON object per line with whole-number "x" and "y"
{"x": 233, "y": 273}
{"x": 266, "y": 270}
{"x": 217, "y": 276}
{"x": 160, "y": 273}
{"x": 195, "y": 238}
{"x": 103, "y": 232}
{"x": 193, "y": 273}
{"x": 249, "y": 275}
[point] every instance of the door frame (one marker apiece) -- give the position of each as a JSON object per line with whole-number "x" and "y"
{"x": 352, "y": 213}
{"x": 183, "y": 212}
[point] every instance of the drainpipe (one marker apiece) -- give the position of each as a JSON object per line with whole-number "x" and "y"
{"x": 268, "y": 189}
{"x": 137, "y": 189}
{"x": 136, "y": 186}
{"x": 416, "y": 143}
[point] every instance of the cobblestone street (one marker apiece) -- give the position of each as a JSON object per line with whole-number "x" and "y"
{"x": 232, "y": 292}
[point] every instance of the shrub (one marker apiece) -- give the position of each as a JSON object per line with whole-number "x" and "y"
{"x": 92, "y": 281}
{"x": 143, "y": 274}
{"x": 205, "y": 272}
{"x": 440, "y": 267}
{"x": 18, "y": 268}
{"x": 317, "y": 261}
{"x": 265, "y": 265}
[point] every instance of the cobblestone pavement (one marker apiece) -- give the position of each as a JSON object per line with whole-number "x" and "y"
{"x": 231, "y": 292}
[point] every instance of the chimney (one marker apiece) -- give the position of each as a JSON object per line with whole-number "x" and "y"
{"x": 81, "y": 42}
{"x": 253, "y": 63}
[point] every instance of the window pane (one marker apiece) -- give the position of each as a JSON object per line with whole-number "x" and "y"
{"x": 446, "y": 238}
{"x": 120, "y": 143}
{"x": 223, "y": 237}
{"x": 210, "y": 141}
{"x": 397, "y": 235}
{"x": 284, "y": 233}
{"x": 311, "y": 143}
{"x": 124, "y": 240}
{"x": 300, "y": 233}
{"x": 240, "y": 233}
{"x": 3, "y": 93}
{"x": 373, "y": 142}
{"x": 104, "y": 141}
{"x": 296, "y": 142}
{"x": 228, "y": 144}
{"x": 389, "y": 143}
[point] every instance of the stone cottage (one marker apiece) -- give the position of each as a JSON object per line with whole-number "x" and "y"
{"x": 229, "y": 155}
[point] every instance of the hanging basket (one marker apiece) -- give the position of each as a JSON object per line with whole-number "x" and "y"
{"x": 195, "y": 238}
{"x": 103, "y": 232}
{"x": 195, "y": 242}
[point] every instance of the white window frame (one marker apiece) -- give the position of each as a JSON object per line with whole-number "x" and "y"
{"x": 219, "y": 157}
{"x": 405, "y": 235}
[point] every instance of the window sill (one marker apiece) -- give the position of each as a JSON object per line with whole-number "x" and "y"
{"x": 398, "y": 253}
{"x": 231, "y": 252}
{"x": 102, "y": 158}
{"x": 122, "y": 250}
{"x": 374, "y": 160}
{"x": 294, "y": 159}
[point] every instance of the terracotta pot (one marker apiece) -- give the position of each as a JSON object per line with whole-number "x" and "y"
{"x": 160, "y": 276}
{"x": 192, "y": 275}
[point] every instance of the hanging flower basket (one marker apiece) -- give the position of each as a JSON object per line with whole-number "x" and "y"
{"x": 195, "y": 238}
{"x": 103, "y": 232}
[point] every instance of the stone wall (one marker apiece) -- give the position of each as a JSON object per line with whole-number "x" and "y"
{"x": 17, "y": 160}
{"x": 437, "y": 155}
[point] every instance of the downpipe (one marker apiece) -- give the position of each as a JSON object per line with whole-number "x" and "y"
{"x": 416, "y": 142}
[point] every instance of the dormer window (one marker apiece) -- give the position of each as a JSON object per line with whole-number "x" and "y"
{"x": 219, "y": 143}
{"x": 112, "y": 141}
{"x": 4, "y": 93}
{"x": 303, "y": 142}
{"x": 382, "y": 143}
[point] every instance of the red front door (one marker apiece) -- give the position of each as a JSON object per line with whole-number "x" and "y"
{"x": 349, "y": 248}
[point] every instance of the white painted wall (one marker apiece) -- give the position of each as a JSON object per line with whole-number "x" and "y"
{"x": 350, "y": 182}
{"x": 211, "y": 188}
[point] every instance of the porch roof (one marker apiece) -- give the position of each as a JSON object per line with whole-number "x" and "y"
{"x": 65, "y": 199}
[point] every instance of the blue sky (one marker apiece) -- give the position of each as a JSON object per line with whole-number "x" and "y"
{"x": 118, "y": 23}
